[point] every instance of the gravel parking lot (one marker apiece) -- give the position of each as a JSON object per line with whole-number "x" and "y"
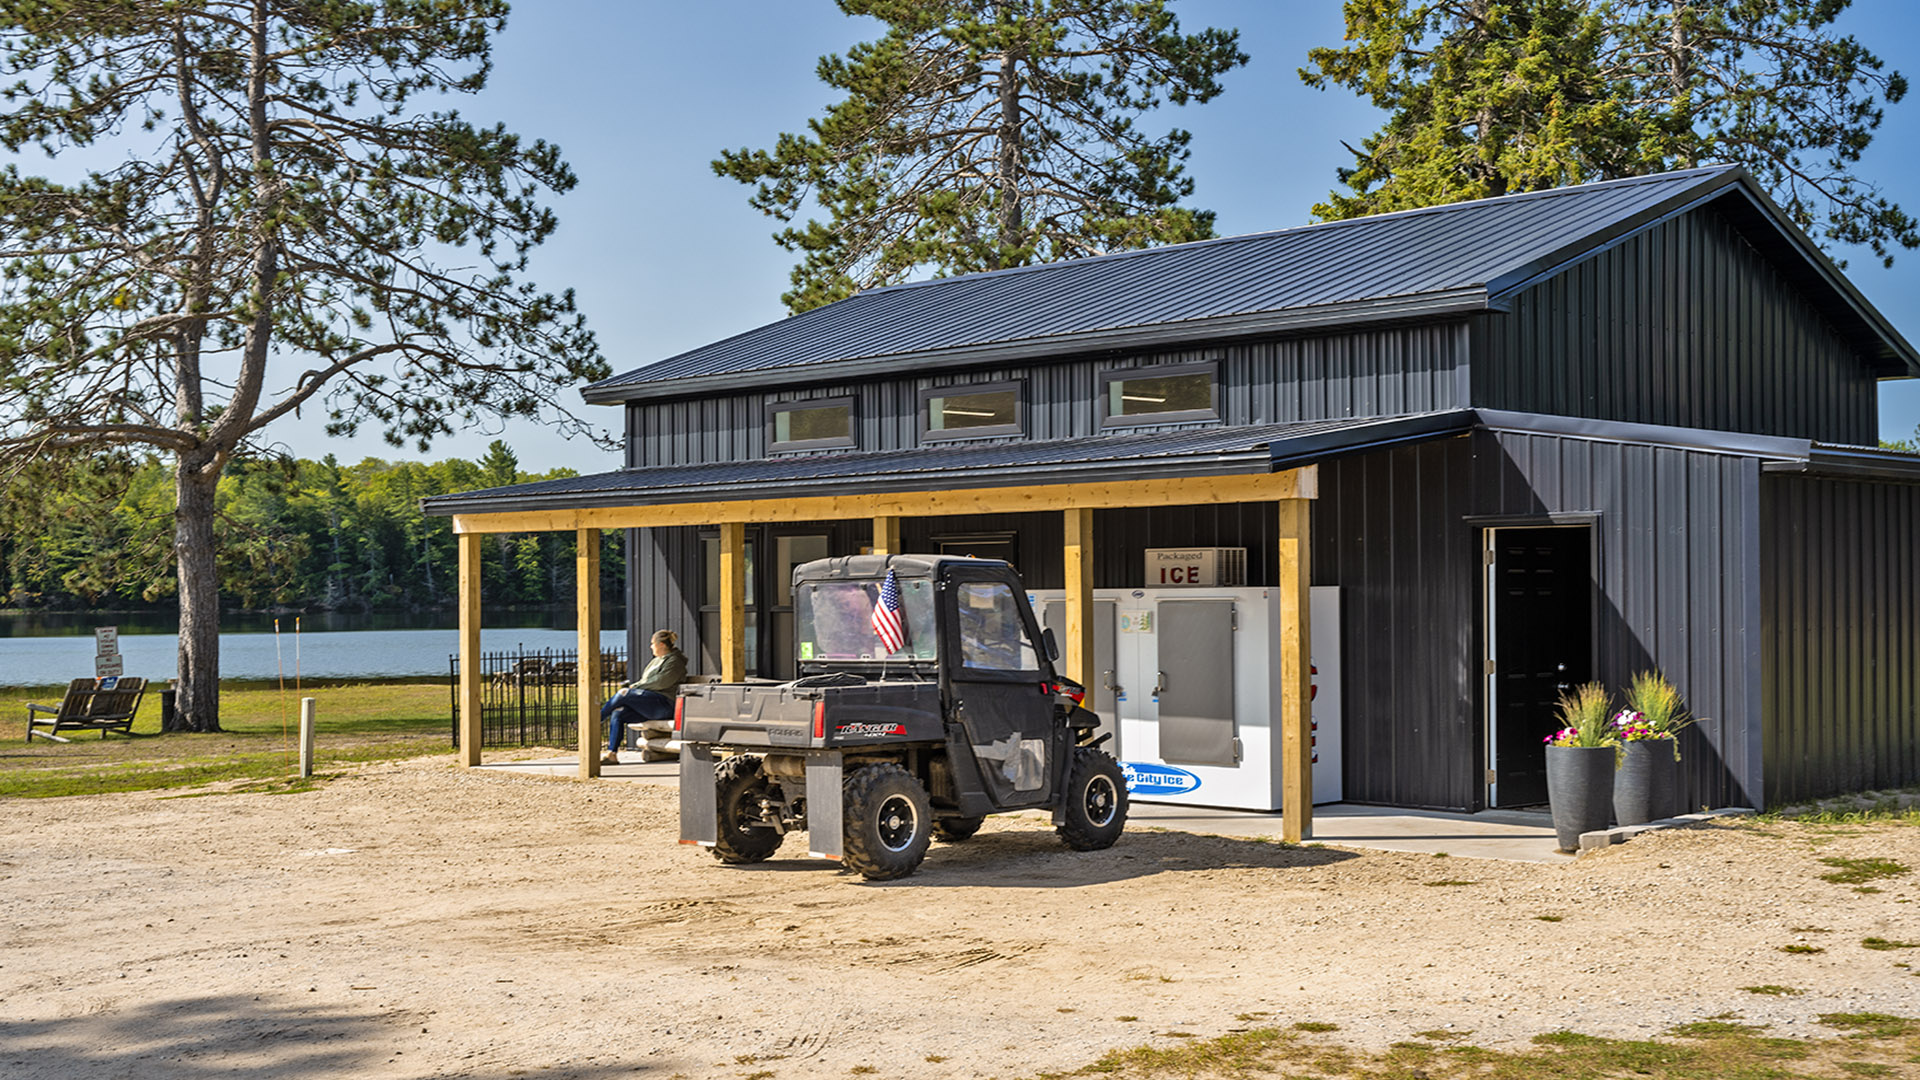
{"x": 412, "y": 919}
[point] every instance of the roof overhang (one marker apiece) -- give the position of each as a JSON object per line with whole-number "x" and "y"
{"x": 1852, "y": 463}
{"x": 1185, "y": 467}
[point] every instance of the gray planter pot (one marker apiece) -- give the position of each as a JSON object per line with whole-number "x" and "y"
{"x": 1580, "y": 790}
{"x": 1646, "y": 787}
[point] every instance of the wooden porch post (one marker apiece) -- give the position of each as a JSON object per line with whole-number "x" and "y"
{"x": 1296, "y": 716}
{"x": 586, "y": 578}
{"x": 1079, "y": 564}
{"x": 886, "y": 536}
{"x": 733, "y": 601}
{"x": 470, "y": 649}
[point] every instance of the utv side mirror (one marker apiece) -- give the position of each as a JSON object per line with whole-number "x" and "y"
{"x": 1053, "y": 647}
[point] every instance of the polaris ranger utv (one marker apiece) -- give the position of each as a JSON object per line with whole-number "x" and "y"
{"x": 927, "y": 699}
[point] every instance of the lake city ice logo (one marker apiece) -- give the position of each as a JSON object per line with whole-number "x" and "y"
{"x": 1147, "y": 778}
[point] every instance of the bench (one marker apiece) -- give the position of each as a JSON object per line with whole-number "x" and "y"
{"x": 101, "y": 705}
{"x": 654, "y": 738}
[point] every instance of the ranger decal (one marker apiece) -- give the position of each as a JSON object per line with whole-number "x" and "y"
{"x": 870, "y": 729}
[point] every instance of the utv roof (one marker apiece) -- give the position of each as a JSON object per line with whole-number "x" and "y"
{"x": 873, "y": 566}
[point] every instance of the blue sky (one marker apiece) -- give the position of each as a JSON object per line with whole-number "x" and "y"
{"x": 664, "y": 256}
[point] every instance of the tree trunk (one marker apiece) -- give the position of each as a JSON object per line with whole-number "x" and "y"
{"x": 1012, "y": 220}
{"x": 1680, "y": 80}
{"x": 197, "y": 706}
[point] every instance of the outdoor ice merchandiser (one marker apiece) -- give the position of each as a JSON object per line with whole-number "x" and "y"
{"x": 1188, "y": 681}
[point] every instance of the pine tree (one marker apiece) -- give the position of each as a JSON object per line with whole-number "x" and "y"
{"x": 1492, "y": 96}
{"x": 983, "y": 134}
{"x": 278, "y": 198}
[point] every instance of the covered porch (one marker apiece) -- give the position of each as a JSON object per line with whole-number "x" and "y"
{"x": 1174, "y": 469}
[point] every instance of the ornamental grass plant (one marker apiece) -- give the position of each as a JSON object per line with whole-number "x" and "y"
{"x": 1583, "y": 718}
{"x": 1653, "y": 711}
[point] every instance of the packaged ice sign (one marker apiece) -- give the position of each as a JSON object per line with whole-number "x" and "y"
{"x": 1201, "y": 567}
{"x": 1148, "y": 778}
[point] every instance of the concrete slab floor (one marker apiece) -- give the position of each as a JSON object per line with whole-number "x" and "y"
{"x": 1495, "y": 834}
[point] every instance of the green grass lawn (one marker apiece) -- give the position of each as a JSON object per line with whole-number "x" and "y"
{"x": 1854, "y": 1044}
{"x": 357, "y": 721}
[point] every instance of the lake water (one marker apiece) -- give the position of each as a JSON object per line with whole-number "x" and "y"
{"x": 38, "y": 649}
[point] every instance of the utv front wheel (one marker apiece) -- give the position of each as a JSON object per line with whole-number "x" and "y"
{"x": 887, "y": 822}
{"x": 741, "y": 785}
{"x": 1095, "y": 807}
{"x": 955, "y": 829}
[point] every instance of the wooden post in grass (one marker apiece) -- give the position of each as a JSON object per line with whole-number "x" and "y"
{"x": 306, "y": 736}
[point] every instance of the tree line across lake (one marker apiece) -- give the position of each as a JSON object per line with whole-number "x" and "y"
{"x": 292, "y": 533}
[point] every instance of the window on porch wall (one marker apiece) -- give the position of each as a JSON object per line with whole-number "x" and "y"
{"x": 710, "y": 608}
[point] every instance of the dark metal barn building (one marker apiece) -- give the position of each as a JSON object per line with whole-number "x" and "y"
{"x": 1533, "y": 440}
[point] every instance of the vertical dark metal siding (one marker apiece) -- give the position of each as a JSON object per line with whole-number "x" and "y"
{"x": 1841, "y": 617}
{"x": 663, "y": 587}
{"x": 1364, "y": 373}
{"x": 1676, "y": 559}
{"x": 1677, "y": 585}
{"x": 1684, "y": 324}
{"x": 1388, "y": 530}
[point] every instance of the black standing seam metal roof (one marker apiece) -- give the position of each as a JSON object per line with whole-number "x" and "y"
{"x": 1433, "y": 262}
{"x": 1203, "y": 451}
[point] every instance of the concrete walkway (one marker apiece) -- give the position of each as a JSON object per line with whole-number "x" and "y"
{"x": 1492, "y": 834}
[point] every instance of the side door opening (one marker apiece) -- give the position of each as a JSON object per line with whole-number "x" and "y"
{"x": 1539, "y": 643}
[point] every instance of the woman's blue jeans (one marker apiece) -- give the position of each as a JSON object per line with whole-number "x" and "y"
{"x": 632, "y": 707}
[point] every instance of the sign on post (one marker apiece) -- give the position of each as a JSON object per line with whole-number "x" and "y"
{"x": 107, "y": 663}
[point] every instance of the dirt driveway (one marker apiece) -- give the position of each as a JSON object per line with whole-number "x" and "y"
{"x": 416, "y": 920}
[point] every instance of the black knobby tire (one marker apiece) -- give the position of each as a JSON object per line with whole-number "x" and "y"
{"x": 952, "y": 830}
{"x": 887, "y": 822}
{"x": 1094, "y": 805}
{"x": 740, "y": 783}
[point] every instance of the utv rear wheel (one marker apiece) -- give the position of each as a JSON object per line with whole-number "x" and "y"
{"x": 955, "y": 829}
{"x": 1095, "y": 802}
{"x": 887, "y": 823}
{"x": 741, "y": 785}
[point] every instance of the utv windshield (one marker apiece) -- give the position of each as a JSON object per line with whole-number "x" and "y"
{"x": 836, "y": 621}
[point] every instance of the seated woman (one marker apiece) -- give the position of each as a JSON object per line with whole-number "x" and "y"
{"x": 650, "y": 697}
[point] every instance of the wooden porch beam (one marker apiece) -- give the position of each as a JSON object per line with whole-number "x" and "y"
{"x": 1079, "y": 565}
{"x": 586, "y": 573}
{"x": 1301, "y": 483}
{"x": 1296, "y": 717}
{"x": 470, "y": 650}
{"x": 733, "y": 601}
{"x": 886, "y": 536}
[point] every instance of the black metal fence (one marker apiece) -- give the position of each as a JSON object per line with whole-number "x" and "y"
{"x": 531, "y": 698}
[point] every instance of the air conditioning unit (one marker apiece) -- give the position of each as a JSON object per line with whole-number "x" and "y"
{"x": 1215, "y": 568}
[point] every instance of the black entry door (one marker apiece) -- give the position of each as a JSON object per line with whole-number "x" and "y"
{"x": 1542, "y": 594}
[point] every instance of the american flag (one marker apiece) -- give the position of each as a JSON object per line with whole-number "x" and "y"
{"x": 886, "y": 615}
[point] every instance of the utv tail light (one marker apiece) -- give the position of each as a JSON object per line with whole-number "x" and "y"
{"x": 820, "y": 719}
{"x": 1075, "y": 694}
{"x": 679, "y": 714}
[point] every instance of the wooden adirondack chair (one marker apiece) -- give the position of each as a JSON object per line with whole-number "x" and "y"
{"x": 86, "y": 707}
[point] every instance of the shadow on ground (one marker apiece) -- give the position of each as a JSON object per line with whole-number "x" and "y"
{"x": 1036, "y": 859}
{"x": 246, "y": 1038}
